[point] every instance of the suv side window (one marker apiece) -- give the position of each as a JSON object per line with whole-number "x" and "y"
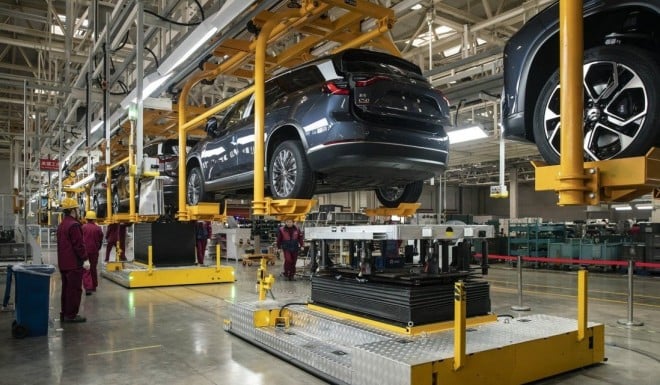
{"x": 234, "y": 115}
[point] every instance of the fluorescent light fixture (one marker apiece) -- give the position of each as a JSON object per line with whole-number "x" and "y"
{"x": 189, "y": 46}
{"x": 149, "y": 86}
{"x": 153, "y": 85}
{"x": 645, "y": 206}
{"x": 95, "y": 127}
{"x": 466, "y": 134}
{"x": 416, "y": 7}
{"x": 83, "y": 181}
{"x": 622, "y": 208}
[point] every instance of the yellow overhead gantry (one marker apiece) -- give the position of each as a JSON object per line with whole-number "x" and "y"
{"x": 590, "y": 183}
{"x": 311, "y": 21}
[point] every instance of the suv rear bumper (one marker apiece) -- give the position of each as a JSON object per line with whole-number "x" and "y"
{"x": 390, "y": 162}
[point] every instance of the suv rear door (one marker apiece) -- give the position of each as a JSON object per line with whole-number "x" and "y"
{"x": 392, "y": 91}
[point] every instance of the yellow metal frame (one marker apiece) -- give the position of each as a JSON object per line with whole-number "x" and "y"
{"x": 413, "y": 330}
{"x": 403, "y": 210}
{"x": 615, "y": 180}
{"x": 309, "y": 21}
{"x": 151, "y": 276}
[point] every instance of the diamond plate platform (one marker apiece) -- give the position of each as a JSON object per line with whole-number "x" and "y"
{"x": 347, "y": 352}
{"x": 135, "y": 275}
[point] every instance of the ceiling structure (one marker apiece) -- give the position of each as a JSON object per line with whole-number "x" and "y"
{"x": 46, "y": 46}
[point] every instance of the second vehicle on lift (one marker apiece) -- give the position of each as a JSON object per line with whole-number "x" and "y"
{"x": 355, "y": 120}
{"x": 167, "y": 152}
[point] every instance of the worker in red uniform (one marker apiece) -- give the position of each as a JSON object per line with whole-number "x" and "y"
{"x": 93, "y": 239}
{"x": 289, "y": 240}
{"x": 71, "y": 259}
{"x": 203, "y": 233}
{"x": 115, "y": 232}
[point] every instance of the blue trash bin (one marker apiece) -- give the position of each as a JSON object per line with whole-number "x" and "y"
{"x": 31, "y": 299}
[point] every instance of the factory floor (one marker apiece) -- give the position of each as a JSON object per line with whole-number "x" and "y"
{"x": 174, "y": 335}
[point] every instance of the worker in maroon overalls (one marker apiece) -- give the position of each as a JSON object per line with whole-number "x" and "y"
{"x": 115, "y": 232}
{"x": 289, "y": 240}
{"x": 93, "y": 240}
{"x": 203, "y": 233}
{"x": 71, "y": 258}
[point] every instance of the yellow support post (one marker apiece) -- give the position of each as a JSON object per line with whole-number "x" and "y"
{"x": 459, "y": 324}
{"x": 217, "y": 257}
{"x": 150, "y": 260}
{"x": 132, "y": 170}
{"x": 571, "y": 179}
{"x": 258, "y": 203}
{"x": 582, "y": 304}
{"x": 264, "y": 280}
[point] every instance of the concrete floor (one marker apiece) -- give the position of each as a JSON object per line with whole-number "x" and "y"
{"x": 174, "y": 335}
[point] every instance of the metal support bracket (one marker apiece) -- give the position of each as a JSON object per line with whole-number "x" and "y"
{"x": 403, "y": 210}
{"x": 615, "y": 180}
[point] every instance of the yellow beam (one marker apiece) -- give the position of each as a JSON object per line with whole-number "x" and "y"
{"x": 571, "y": 180}
{"x": 408, "y": 330}
{"x": 614, "y": 180}
{"x": 180, "y": 276}
{"x": 258, "y": 203}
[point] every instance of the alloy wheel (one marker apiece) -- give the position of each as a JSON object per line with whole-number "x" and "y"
{"x": 616, "y": 103}
{"x": 284, "y": 174}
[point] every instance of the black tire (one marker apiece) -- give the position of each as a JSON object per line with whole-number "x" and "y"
{"x": 605, "y": 104}
{"x": 100, "y": 210}
{"x": 195, "y": 192}
{"x": 19, "y": 331}
{"x": 392, "y": 196}
{"x": 289, "y": 174}
{"x": 115, "y": 202}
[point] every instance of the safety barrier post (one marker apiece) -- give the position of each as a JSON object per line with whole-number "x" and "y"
{"x": 630, "y": 321}
{"x": 460, "y": 307}
{"x": 582, "y": 304}
{"x": 520, "y": 306}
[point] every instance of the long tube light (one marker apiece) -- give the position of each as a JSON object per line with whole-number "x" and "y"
{"x": 83, "y": 181}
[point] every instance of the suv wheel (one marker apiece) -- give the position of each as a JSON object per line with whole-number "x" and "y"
{"x": 97, "y": 209}
{"x": 621, "y": 92}
{"x": 195, "y": 187}
{"x": 115, "y": 202}
{"x": 289, "y": 174}
{"x": 392, "y": 196}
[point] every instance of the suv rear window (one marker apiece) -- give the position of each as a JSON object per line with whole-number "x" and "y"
{"x": 299, "y": 79}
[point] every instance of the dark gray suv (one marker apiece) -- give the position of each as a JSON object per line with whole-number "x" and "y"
{"x": 355, "y": 120}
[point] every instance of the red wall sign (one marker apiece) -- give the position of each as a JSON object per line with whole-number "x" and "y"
{"x": 49, "y": 165}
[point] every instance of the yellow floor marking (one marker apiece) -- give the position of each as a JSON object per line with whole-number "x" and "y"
{"x": 126, "y": 350}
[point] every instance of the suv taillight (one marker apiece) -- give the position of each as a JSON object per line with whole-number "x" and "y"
{"x": 167, "y": 159}
{"x": 335, "y": 87}
{"x": 370, "y": 81}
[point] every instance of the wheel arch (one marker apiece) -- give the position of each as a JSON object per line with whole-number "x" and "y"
{"x": 617, "y": 18}
{"x": 281, "y": 134}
